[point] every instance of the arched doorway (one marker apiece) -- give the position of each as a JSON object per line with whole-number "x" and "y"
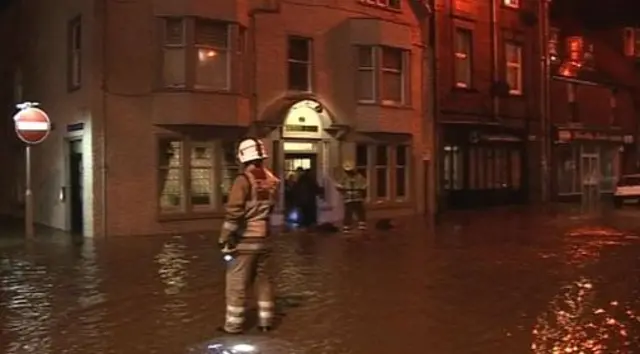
{"x": 305, "y": 139}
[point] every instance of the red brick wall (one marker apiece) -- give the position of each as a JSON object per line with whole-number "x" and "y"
{"x": 476, "y": 15}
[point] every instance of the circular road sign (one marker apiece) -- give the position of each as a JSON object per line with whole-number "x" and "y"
{"x": 32, "y": 125}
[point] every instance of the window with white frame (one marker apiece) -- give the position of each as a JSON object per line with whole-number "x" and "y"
{"x": 388, "y": 4}
{"x": 513, "y": 61}
{"x": 401, "y": 166}
{"x": 189, "y": 180}
{"x": 366, "y": 89}
{"x": 197, "y": 53}
{"x": 213, "y": 58}
{"x": 174, "y": 53}
{"x": 382, "y": 75}
{"x": 74, "y": 56}
{"x": 387, "y": 170}
{"x": 515, "y": 4}
{"x": 299, "y": 64}
{"x": 381, "y": 172}
{"x": 462, "y": 58}
{"x": 392, "y": 77}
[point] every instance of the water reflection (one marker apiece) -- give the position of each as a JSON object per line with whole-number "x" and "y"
{"x": 26, "y": 288}
{"x": 585, "y": 244}
{"x": 172, "y": 261}
{"x": 575, "y": 323}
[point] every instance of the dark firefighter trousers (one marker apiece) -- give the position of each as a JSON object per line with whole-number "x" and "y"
{"x": 244, "y": 270}
{"x": 357, "y": 209}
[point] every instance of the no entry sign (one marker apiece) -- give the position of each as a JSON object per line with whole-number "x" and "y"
{"x": 32, "y": 125}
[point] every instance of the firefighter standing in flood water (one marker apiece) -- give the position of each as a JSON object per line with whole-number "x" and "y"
{"x": 245, "y": 238}
{"x": 353, "y": 187}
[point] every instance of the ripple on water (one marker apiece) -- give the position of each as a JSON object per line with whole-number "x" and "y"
{"x": 578, "y": 322}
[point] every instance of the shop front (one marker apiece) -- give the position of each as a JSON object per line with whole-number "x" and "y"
{"x": 588, "y": 163}
{"x": 482, "y": 166}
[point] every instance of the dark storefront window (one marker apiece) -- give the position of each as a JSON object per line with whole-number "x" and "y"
{"x": 572, "y": 169}
{"x": 494, "y": 167}
{"x": 453, "y": 168}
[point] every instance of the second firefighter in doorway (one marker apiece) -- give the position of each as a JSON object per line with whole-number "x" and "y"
{"x": 353, "y": 187}
{"x": 245, "y": 239}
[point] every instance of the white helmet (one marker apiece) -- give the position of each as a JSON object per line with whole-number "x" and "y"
{"x": 250, "y": 150}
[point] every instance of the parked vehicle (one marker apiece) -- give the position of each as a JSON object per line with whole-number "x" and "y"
{"x": 627, "y": 190}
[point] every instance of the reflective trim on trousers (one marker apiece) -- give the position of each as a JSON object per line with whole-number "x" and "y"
{"x": 230, "y": 226}
{"x": 266, "y": 313}
{"x": 234, "y": 319}
{"x": 251, "y": 246}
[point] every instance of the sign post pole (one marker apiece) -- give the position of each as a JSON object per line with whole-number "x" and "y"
{"x": 32, "y": 126}
{"x": 28, "y": 196}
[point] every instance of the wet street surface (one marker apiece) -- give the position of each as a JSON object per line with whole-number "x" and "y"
{"x": 504, "y": 281}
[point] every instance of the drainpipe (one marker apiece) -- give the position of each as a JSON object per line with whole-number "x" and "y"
{"x": 545, "y": 108}
{"x": 103, "y": 119}
{"x": 431, "y": 110}
{"x": 495, "y": 64}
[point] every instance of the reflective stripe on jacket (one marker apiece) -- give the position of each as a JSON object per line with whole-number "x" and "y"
{"x": 251, "y": 201}
{"x": 353, "y": 188}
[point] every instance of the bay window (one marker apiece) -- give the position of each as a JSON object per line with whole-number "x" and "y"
{"x": 194, "y": 176}
{"x": 198, "y": 53}
{"x": 382, "y": 75}
{"x": 386, "y": 168}
{"x": 382, "y": 172}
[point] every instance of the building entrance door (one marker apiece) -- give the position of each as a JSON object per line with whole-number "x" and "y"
{"x": 590, "y": 173}
{"x": 294, "y": 165}
{"x": 76, "y": 186}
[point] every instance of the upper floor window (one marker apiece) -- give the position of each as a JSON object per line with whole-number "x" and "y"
{"x": 382, "y": 75}
{"x": 462, "y": 58}
{"x": 211, "y": 42}
{"x": 201, "y": 60}
{"x": 513, "y": 63}
{"x": 512, "y": 3}
{"x": 74, "y": 54}
{"x": 299, "y": 64}
{"x": 389, "y": 4}
{"x": 631, "y": 42}
{"x": 554, "y": 45}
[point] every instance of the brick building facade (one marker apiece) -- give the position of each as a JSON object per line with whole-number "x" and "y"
{"x": 148, "y": 99}
{"x": 488, "y": 101}
{"x": 594, "y": 109}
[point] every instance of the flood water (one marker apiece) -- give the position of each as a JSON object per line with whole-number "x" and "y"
{"x": 501, "y": 282}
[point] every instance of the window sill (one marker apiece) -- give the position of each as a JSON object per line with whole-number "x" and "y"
{"x": 194, "y": 215}
{"x": 510, "y": 7}
{"x": 386, "y": 105}
{"x": 464, "y": 89}
{"x": 197, "y": 90}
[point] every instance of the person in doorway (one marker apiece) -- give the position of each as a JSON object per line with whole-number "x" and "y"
{"x": 244, "y": 239}
{"x": 306, "y": 191}
{"x": 353, "y": 187}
